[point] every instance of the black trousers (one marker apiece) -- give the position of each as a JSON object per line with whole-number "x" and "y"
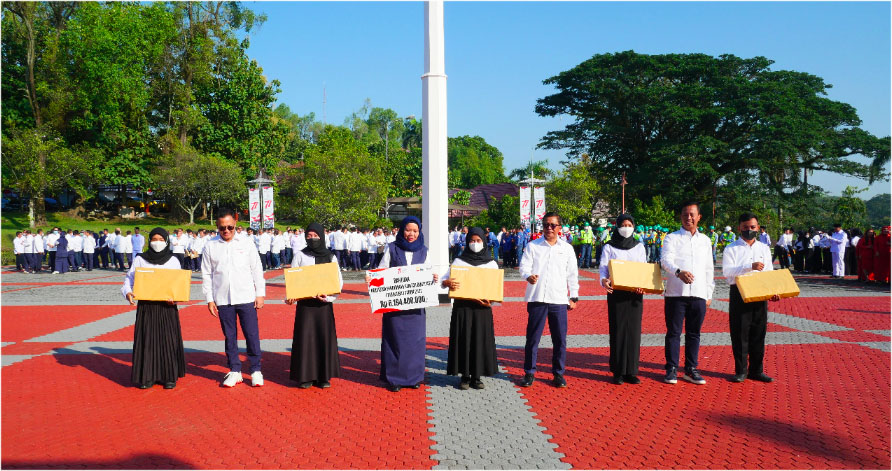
{"x": 749, "y": 324}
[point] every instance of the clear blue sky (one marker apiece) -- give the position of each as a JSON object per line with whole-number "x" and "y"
{"x": 498, "y": 53}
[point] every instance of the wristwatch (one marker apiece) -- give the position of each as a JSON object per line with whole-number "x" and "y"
{"x": 575, "y": 300}
{"x": 677, "y": 271}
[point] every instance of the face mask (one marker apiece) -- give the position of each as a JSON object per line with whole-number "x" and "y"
{"x": 56, "y": 232}
{"x": 625, "y": 231}
{"x": 749, "y": 235}
{"x": 314, "y": 244}
{"x": 476, "y": 246}
{"x": 157, "y": 245}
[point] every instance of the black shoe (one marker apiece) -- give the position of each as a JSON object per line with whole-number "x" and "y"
{"x": 393, "y": 388}
{"x": 693, "y": 376}
{"x": 477, "y": 383}
{"x": 739, "y": 378}
{"x": 145, "y": 385}
{"x": 671, "y": 376}
{"x": 761, "y": 377}
{"x": 170, "y": 385}
{"x": 465, "y": 383}
{"x": 559, "y": 381}
{"x": 528, "y": 380}
{"x": 416, "y": 386}
{"x": 323, "y": 384}
{"x": 305, "y": 385}
{"x": 631, "y": 379}
{"x": 617, "y": 379}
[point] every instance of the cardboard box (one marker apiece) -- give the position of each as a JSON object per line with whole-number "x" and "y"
{"x": 627, "y": 275}
{"x": 311, "y": 281}
{"x": 161, "y": 284}
{"x": 478, "y": 283}
{"x": 762, "y": 285}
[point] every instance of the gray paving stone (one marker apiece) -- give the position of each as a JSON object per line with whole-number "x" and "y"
{"x": 883, "y": 346}
{"x": 887, "y": 333}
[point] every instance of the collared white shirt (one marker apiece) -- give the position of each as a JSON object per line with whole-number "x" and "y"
{"x": 38, "y": 243}
{"x": 371, "y": 244}
{"x": 389, "y": 238}
{"x": 299, "y": 242}
{"x": 231, "y": 272}
{"x": 138, "y": 241}
{"x": 18, "y": 245}
{"x": 854, "y": 241}
{"x": 837, "y": 241}
{"x": 28, "y": 244}
{"x": 765, "y": 238}
{"x": 178, "y": 244}
{"x": 124, "y": 245}
{"x": 691, "y": 253}
{"x": 354, "y": 241}
{"x": 278, "y": 244}
{"x": 301, "y": 259}
{"x": 76, "y": 244}
{"x": 785, "y": 240}
{"x": 51, "y": 242}
{"x": 89, "y": 244}
{"x": 739, "y": 257}
{"x": 263, "y": 242}
{"x": 240, "y": 235}
{"x": 609, "y": 252}
{"x": 111, "y": 240}
{"x": 557, "y": 270}
{"x": 339, "y": 240}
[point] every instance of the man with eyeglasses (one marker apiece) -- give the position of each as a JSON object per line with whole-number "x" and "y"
{"x": 549, "y": 267}
{"x": 233, "y": 284}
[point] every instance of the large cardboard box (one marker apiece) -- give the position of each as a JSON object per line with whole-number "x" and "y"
{"x": 311, "y": 281}
{"x": 478, "y": 283}
{"x": 627, "y": 275}
{"x": 762, "y": 285}
{"x": 161, "y": 284}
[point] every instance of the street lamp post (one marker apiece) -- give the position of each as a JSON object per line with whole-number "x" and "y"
{"x": 259, "y": 182}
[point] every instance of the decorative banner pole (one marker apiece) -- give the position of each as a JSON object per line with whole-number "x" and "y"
{"x": 256, "y": 199}
{"x": 624, "y": 183}
{"x": 435, "y": 190}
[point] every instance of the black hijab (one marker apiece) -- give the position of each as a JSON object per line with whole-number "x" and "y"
{"x": 158, "y": 258}
{"x": 480, "y": 258}
{"x": 618, "y": 241}
{"x": 316, "y": 247}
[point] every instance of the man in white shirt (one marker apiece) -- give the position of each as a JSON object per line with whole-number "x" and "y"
{"x": 112, "y": 242}
{"x": 138, "y": 241}
{"x": 549, "y": 267}
{"x": 239, "y": 233}
{"x": 18, "y": 248}
{"x": 198, "y": 246}
{"x": 354, "y": 245}
{"x": 783, "y": 248}
{"x": 89, "y": 244}
{"x": 748, "y": 322}
{"x": 339, "y": 244}
{"x": 764, "y": 237}
{"x": 52, "y": 240}
{"x": 687, "y": 257}
{"x": 838, "y": 240}
{"x": 263, "y": 246}
{"x": 234, "y": 287}
{"x": 28, "y": 249}
{"x": 39, "y": 249}
{"x": 277, "y": 248}
{"x": 178, "y": 242}
{"x": 76, "y": 248}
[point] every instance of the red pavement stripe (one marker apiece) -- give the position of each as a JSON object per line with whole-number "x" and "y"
{"x": 860, "y": 313}
{"x": 26, "y": 322}
{"x": 104, "y": 422}
{"x": 796, "y": 422}
{"x": 33, "y": 348}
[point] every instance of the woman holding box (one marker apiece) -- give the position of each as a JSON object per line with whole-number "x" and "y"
{"x": 624, "y": 308}
{"x": 403, "y": 335}
{"x": 158, "y": 355}
{"x": 314, "y": 348}
{"x": 472, "y": 341}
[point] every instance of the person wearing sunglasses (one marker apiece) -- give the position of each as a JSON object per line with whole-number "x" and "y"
{"x": 233, "y": 284}
{"x": 549, "y": 267}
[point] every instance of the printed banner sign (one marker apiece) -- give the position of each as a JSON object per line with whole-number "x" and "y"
{"x": 269, "y": 219}
{"x": 525, "y": 205}
{"x": 402, "y": 288}
{"x": 254, "y": 207}
{"x": 539, "y": 197}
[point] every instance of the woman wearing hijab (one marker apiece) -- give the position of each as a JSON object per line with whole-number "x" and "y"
{"x": 624, "y": 308}
{"x": 864, "y": 249}
{"x": 314, "y": 349}
{"x": 403, "y": 336}
{"x": 472, "y": 341}
{"x": 158, "y": 355}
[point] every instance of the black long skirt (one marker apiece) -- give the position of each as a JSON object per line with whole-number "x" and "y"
{"x": 624, "y": 318}
{"x": 314, "y": 348}
{"x": 158, "y": 355}
{"x": 472, "y": 341}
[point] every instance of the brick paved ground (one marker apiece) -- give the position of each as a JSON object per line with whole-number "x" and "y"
{"x": 67, "y": 401}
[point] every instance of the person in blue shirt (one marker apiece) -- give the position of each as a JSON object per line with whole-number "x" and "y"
{"x": 492, "y": 244}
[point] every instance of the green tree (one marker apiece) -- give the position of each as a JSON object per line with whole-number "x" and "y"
{"x": 538, "y": 169}
{"x": 461, "y": 197}
{"x": 189, "y": 179}
{"x": 500, "y": 212}
{"x": 655, "y": 213}
{"x": 850, "y": 210}
{"x": 878, "y": 210}
{"x": 473, "y": 162}
{"x": 573, "y": 193}
{"x": 678, "y": 123}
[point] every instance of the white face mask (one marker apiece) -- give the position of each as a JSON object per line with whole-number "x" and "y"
{"x": 157, "y": 245}
{"x": 475, "y": 246}
{"x": 626, "y": 231}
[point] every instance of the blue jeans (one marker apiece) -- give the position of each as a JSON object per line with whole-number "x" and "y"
{"x": 689, "y": 311}
{"x": 556, "y": 314}
{"x": 275, "y": 263}
{"x": 585, "y": 256}
{"x": 247, "y": 315}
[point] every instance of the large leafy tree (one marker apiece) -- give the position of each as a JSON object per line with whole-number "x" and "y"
{"x": 573, "y": 193}
{"x": 678, "y": 124}
{"x": 472, "y": 162}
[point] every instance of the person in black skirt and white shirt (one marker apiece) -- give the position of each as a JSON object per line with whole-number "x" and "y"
{"x": 624, "y": 308}
{"x": 158, "y": 355}
{"x": 748, "y": 321}
{"x": 472, "y": 341}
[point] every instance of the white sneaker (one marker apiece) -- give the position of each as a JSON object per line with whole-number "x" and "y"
{"x": 256, "y": 379}
{"x": 232, "y": 378}
{"x": 55, "y": 273}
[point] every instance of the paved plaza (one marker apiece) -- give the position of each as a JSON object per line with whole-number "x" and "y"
{"x": 67, "y": 401}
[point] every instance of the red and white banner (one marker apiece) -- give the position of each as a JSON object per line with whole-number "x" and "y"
{"x": 539, "y": 197}
{"x": 254, "y": 207}
{"x": 269, "y": 219}
{"x": 525, "y": 205}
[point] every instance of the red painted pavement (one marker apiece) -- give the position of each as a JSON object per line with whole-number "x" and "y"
{"x": 862, "y": 313}
{"x": 26, "y": 322}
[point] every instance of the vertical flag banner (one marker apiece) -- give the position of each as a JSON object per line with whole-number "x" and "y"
{"x": 539, "y": 197}
{"x": 254, "y": 207}
{"x": 269, "y": 220}
{"x": 525, "y": 206}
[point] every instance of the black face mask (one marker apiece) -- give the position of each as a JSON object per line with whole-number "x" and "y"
{"x": 315, "y": 244}
{"x": 749, "y": 235}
